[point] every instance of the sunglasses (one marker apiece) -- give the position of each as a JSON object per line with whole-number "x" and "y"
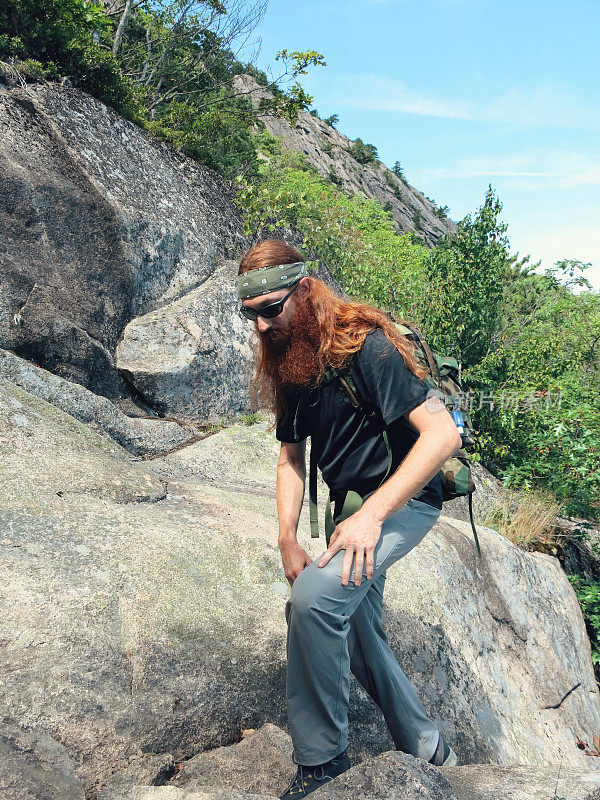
{"x": 269, "y": 311}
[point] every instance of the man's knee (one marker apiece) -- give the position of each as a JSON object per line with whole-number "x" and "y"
{"x": 317, "y": 590}
{"x": 305, "y": 593}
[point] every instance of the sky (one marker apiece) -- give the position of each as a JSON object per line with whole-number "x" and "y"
{"x": 467, "y": 93}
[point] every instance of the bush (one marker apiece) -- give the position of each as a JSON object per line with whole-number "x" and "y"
{"x": 57, "y": 38}
{"x": 588, "y": 594}
{"x": 363, "y": 153}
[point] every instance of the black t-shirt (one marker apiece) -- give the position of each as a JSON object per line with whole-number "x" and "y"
{"x": 350, "y": 449}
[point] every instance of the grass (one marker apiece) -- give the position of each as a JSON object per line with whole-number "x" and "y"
{"x": 529, "y": 519}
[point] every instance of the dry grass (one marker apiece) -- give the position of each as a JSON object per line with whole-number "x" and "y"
{"x": 528, "y": 519}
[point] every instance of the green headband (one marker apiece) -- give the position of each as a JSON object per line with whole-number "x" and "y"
{"x": 263, "y": 280}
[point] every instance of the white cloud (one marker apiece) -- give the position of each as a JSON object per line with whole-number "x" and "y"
{"x": 562, "y": 167}
{"x": 545, "y": 105}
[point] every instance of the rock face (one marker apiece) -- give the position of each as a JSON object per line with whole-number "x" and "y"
{"x": 35, "y": 767}
{"x": 520, "y": 782}
{"x": 137, "y": 435}
{"x": 99, "y": 223}
{"x": 191, "y": 357}
{"x": 261, "y": 762}
{"x": 144, "y": 608}
{"x": 327, "y": 150}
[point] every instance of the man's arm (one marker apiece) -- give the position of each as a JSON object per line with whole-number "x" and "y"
{"x": 438, "y": 440}
{"x": 291, "y": 478}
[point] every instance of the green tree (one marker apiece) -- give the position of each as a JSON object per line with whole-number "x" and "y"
{"x": 468, "y": 273}
{"x": 363, "y": 153}
{"x": 70, "y": 38}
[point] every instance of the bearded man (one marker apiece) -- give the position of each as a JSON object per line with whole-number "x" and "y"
{"x": 334, "y": 611}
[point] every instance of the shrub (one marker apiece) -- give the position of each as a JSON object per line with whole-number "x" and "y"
{"x": 363, "y": 153}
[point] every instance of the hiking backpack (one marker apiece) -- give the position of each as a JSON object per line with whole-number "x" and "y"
{"x": 455, "y": 473}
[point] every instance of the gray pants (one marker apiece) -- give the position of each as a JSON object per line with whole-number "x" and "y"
{"x": 333, "y": 629}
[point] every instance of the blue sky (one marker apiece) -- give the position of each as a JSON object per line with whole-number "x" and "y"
{"x": 465, "y": 93}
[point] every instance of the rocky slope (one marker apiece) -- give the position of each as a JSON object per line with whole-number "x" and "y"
{"x": 327, "y": 150}
{"x": 99, "y": 223}
{"x": 144, "y": 609}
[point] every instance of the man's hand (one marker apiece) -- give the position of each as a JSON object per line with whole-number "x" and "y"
{"x": 294, "y": 558}
{"x": 357, "y": 535}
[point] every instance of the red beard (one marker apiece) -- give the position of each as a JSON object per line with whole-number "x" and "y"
{"x": 294, "y": 352}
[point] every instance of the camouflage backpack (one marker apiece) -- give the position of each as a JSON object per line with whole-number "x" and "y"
{"x": 455, "y": 474}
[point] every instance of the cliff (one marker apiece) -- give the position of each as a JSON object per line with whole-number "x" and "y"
{"x": 328, "y": 151}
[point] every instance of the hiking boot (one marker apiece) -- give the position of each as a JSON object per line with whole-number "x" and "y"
{"x": 444, "y": 755}
{"x": 307, "y": 779}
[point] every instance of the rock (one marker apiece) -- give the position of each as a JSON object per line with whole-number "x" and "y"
{"x": 191, "y": 357}
{"x": 138, "y": 436}
{"x": 390, "y": 776}
{"x": 136, "y": 625}
{"x": 149, "y": 769}
{"x": 171, "y": 793}
{"x": 326, "y": 149}
{"x": 261, "y": 763}
{"x": 35, "y": 767}
{"x": 101, "y": 223}
{"x": 49, "y": 459}
{"x": 520, "y": 782}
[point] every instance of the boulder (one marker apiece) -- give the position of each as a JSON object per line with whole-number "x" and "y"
{"x": 390, "y": 776}
{"x": 260, "y": 763}
{"x": 144, "y": 769}
{"x": 35, "y": 767}
{"x": 148, "y": 436}
{"x": 171, "y": 793}
{"x": 143, "y": 608}
{"x": 521, "y": 782}
{"x": 191, "y": 357}
{"x": 100, "y": 223}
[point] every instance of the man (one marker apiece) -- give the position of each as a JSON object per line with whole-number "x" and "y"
{"x": 334, "y": 611}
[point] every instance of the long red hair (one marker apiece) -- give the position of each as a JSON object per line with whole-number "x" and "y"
{"x": 343, "y": 325}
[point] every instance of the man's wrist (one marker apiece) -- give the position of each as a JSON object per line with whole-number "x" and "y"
{"x": 375, "y": 512}
{"x": 286, "y": 537}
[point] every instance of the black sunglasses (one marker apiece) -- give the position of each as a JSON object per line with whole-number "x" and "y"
{"x": 269, "y": 311}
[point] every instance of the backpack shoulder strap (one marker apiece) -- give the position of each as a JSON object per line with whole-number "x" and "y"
{"x": 433, "y": 365}
{"x": 344, "y": 375}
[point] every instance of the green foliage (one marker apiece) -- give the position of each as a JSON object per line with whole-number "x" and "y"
{"x": 353, "y": 236}
{"x": 397, "y": 170}
{"x": 267, "y": 144}
{"x": 417, "y": 219}
{"x": 588, "y": 594}
{"x": 332, "y": 121}
{"x": 467, "y": 275}
{"x": 388, "y": 207}
{"x": 296, "y": 99}
{"x": 250, "y": 419}
{"x": 56, "y": 38}
{"x": 363, "y": 153}
{"x": 215, "y": 138}
{"x": 334, "y": 177}
{"x": 547, "y": 342}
